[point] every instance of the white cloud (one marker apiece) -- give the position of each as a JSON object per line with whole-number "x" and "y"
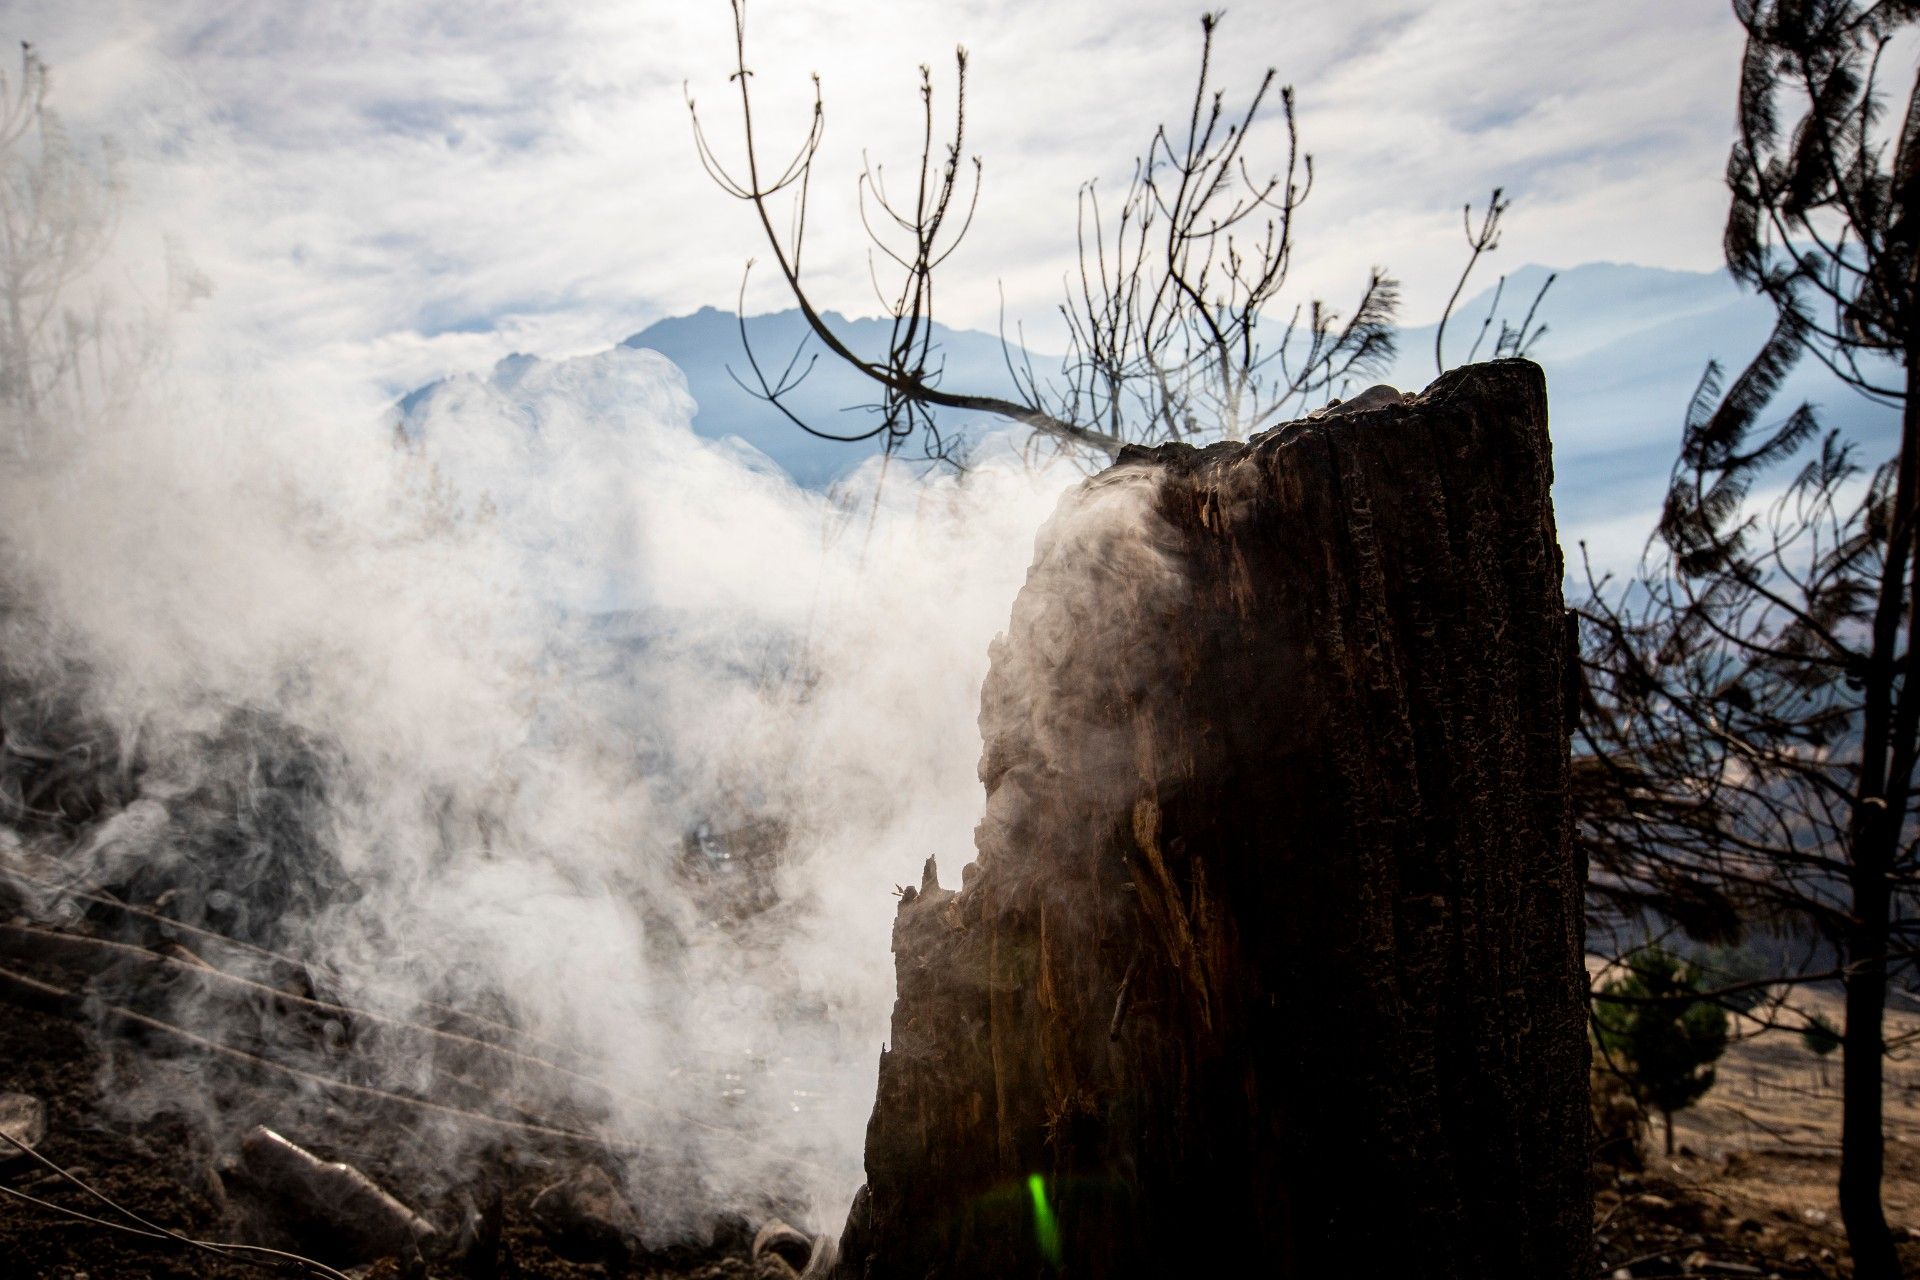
{"x": 404, "y": 188}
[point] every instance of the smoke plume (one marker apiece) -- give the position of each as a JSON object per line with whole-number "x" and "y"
{"x": 530, "y": 702}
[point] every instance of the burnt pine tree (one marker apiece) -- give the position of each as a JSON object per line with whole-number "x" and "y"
{"x": 1753, "y": 715}
{"x": 1660, "y": 1039}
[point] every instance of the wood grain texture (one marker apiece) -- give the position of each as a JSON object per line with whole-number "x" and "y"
{"x": 1271, "y": 950}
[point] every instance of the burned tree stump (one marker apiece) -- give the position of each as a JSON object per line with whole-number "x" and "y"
{"x": 1271, "y": 953}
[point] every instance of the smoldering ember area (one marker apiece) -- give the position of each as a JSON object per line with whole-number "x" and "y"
{"x": 698, "y": 641}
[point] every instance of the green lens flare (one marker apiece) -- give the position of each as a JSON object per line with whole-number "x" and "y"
{"x": 1045, "y": 1228}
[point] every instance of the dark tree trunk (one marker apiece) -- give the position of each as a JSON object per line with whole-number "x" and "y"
{"x": 1272, "y": 947}
{"x": 1862, "y": 1082}
{"x": 1886, "y": 773}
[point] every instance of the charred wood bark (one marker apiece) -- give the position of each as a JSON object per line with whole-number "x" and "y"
{"x": 1271, "y": 950}
{"x": 347, "y": 1213}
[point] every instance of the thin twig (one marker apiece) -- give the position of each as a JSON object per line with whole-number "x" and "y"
{"x": 51, "y": 998}
{"x": 97, "y": 898}
{"x": 32, "y": 942}
{"x": 153, "y": 1230}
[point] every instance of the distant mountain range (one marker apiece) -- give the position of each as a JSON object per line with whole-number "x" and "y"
{"x": 1624, "y": 348}
{"x": 831, "y": 398}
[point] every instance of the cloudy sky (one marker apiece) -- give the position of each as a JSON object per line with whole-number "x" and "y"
{"x": 408, "y": 187}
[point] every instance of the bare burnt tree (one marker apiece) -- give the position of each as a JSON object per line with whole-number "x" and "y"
{"x": 1271, "y": 946}
{"x": 60, "y": 355}
{"x": 1753, "y": 712}
{"x": 1172, "y": 329}
{"x": 69, "y": 364}
{"x": 1511, "y": 342}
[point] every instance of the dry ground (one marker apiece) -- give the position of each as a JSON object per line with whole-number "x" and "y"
{"x": 1754, "y": 1180}
{"x": 163, "y": 1167}
{"x": 1750, "y": 1192}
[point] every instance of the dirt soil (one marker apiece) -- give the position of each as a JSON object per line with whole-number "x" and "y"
{"x": 1750, "y": 1191}
{"x": 165, "y": 1168}
{"x": 1753, "y": 1182}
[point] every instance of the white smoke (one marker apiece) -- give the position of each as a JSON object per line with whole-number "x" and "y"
{"x": 534, "y": 640}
